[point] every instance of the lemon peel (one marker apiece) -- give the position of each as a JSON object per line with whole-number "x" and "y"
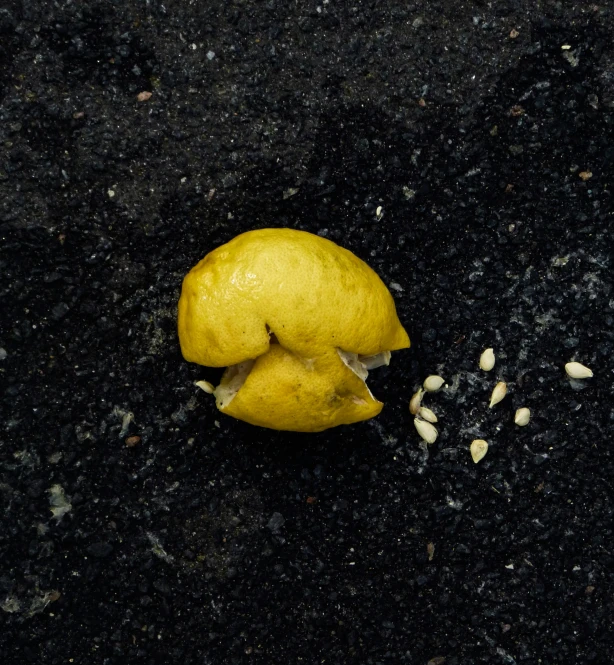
{"x": 298, "y": 320}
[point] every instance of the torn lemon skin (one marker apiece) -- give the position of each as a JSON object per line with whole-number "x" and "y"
{"x": 298, "y": 320}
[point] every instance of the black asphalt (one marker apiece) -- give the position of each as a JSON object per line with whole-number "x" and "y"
{"x": 140, "y": 525}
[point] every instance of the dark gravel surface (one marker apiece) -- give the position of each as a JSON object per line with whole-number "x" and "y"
{"x": 140, "y": 525}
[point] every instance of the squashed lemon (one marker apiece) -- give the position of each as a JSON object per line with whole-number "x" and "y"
{"x": 297, "y": 320}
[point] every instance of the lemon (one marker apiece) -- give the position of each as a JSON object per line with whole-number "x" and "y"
{"x": 297, "y": 320}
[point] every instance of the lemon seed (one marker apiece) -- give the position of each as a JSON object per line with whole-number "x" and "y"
{"x": 415, "y": 402}
{"x": 206, "y": 386}
{"x": 522, "y": 416}
{"x": 487, "y": 360}
{"x": 433, "y": 383}
{"x": 499, "y": 392}
{"x": 427, "y": 414}
{"x": 426, "y": 430}
{"x": 578, "y": 371}
{"x": 478, "y": 449}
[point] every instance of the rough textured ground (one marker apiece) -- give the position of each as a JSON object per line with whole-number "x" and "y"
{"x": 207, "y": 541}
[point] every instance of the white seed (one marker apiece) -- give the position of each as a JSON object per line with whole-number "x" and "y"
{"x": 433, "y": 383}
{"x": 499, "y": 392}
{"x": 578, "y": 371}
{"x": 427, "y": 414}
{"x": 478, "y": 449}
{"x": 206, "y": 386}
{"x": 487, "y": 360}
{"x": 522, "y": 416}
{"x": 415, "y": 402}
{"x": 425, "y": 430}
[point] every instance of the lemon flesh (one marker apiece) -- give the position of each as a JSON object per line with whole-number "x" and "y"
{"x": 298, "y": 320}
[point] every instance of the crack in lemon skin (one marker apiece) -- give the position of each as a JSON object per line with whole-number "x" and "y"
{"x": 292, "y": 302}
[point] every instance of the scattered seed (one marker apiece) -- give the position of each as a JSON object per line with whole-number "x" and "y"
{"x": 433, "y": 383}
{"x": 427, "y": 414}
{"x": 585, "y": 175}
{"x": 578, "y": 371}
{"x": 514, "y": 33}
{"x": 438, "y": 660}
{"x": 478, "y": 449}
{"x": 144, "y": 96}
{"x": 499, "y": 392}
{"x": 426, "y": 430}
{"x": 290, "y": 192}
{"x": 522, "y": 416}
{"x": 132, "y": 441}
{"x": 487, "y": 360}
{"x": 415, "y": 402}
{"x": 206, "y": 386}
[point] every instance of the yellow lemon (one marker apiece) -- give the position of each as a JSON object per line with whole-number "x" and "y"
{"x": 297, "y": 320}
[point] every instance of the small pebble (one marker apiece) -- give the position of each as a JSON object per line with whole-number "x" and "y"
{"x": 499, "y": 392}
{"x": 522, "y": 416}
{"x": 487, "y": 360}
{"x": 478, "y": 449}
{"x": 276, "y": 521}
{"x": 433, "y": 383}
{"x": 425, "y": 430}
{"x": 578, "y": 371}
